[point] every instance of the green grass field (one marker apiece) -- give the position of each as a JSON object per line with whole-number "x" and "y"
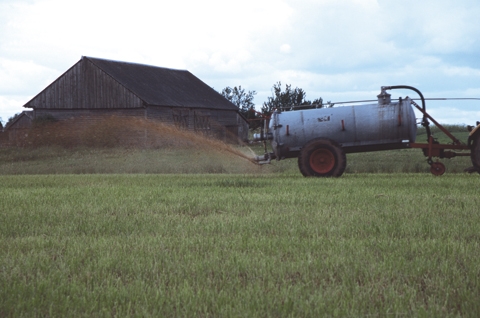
{"x": 188, "y": 232}
{"x": 239, "y": 245}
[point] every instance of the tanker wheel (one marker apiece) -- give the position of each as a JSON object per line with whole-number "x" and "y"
{"x": 437, "y": 168}
{"x": 475, "y": 154}
{"x": 322, "y": 158}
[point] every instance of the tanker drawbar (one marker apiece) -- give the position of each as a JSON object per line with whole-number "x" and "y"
{"x": 321, "y": 137}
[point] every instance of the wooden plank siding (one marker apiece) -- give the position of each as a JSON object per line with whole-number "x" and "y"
{"x": 85, "y": 86}
{"x": 164, "y": 114}
{"x": 210, "y": 122}
{"x": 90, "y": 114}
{"x": 96, "y": 127}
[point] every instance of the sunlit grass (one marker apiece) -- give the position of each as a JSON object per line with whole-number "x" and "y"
{"x": 239, "y": 245}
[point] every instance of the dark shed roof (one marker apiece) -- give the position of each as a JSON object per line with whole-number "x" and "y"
{"x": 158, "y": 86}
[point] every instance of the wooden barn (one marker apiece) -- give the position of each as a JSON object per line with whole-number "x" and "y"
{"x": 18, "y": 129}
{"x": 94, "y": 88}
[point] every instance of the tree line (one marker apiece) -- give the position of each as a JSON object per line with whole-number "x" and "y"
{"x": 283, "y": 99}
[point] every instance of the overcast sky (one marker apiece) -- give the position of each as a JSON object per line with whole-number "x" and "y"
{"x": 339, "y": 50}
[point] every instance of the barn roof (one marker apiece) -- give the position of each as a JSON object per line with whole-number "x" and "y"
{"x": 163, "y": 86}
{"x": 155, "y": 86}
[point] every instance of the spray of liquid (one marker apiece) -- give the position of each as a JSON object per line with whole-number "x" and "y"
{"x": 137, "y": 133}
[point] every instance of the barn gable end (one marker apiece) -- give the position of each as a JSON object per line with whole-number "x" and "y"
{"x": 85, "y": 86}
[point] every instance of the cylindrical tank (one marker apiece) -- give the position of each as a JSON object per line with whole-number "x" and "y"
{"x": 380, "y": 126}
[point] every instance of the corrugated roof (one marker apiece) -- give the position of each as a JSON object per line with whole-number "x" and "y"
{"x": 160, "y": 86}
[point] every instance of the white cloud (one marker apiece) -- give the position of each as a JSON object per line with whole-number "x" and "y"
{"x": 472, "y": 92}
{"x": 285, "y": 48}
{"x": 455, "y": 115}
{"x": 17, "y": 76}
{"x": 11, "y": 105}
{"x": 336, "y": 49}
{"x": 462, "y": 71}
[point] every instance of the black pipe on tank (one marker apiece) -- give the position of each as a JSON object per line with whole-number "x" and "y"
{"x": 425, "y": 122}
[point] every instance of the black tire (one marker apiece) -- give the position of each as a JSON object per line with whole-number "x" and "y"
{"x": 322, "y": 158}
{"x": 475, "y": 154}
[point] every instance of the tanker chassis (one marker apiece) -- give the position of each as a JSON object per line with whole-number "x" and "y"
{"x": 321, "y": 137}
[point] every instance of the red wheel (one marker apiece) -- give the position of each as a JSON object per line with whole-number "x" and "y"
{"x": 322, "y": 158}
{"x": 437, "y": 168}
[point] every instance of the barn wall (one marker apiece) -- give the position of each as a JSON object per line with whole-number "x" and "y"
{"x": 242, "y": 128}
{"x": 89, "y": 114}
{"x": 225, "y": 125}
{"x": 17, "y": 132}
{"x": 94, "y": 127}
{"x": 233, "y": 125}
{"x": 23, "y": 122}
{"x": 3, "y": 139}
{"x": 16, "y": 137}
{"x": 85, "y": 86}
{"x": 165, "y": 114}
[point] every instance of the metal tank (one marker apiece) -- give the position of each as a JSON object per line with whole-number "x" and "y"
{"x": 384, "y": 125}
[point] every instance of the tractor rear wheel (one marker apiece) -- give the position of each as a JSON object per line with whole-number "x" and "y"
{"x": 475, "y": 154}
{"x": 322, "y": 158}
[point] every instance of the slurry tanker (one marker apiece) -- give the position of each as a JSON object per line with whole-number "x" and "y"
{"x": 321, "y": 137}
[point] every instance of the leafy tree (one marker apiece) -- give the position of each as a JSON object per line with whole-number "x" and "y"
{"x": 289, "y": 99}
{"x": 244, "y": 101}
{"x": 240, "y": 98}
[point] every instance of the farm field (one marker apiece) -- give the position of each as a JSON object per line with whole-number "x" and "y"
{"x": 268, "y": 244}
{"x": 196, "y": 229}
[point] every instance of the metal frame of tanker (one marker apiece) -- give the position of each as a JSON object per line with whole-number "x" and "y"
{"x": 435, "y": 149}
{"x": 432, "y": 149}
